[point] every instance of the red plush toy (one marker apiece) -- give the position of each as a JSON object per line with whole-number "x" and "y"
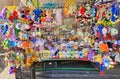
{"x": 15, "y": 14}
{"x": 82, "y": 10}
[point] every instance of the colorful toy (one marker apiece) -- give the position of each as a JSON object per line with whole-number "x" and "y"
{"x": 37, "y": 13}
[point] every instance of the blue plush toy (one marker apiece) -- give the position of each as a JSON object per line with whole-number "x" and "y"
{"x": 4, "y": 29}
{"x": 93, "y": 12}
{"x": 81, "y": 54}
{"x": 115, "y": 12}
{"x": 100, "y": 27}
{"x": 37, "y": 12}
{"x": 12, "y": 44}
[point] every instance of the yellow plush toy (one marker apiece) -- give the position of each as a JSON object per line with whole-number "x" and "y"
{"x": 46, "y": 54}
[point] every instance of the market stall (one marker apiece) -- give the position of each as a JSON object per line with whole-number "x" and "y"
{"x": 37, "y": 33}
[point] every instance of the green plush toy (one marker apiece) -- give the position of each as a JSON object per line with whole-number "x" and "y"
{"x": 72, "y": 53}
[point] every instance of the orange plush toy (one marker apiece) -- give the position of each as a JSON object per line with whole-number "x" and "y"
{"x": 104, "y": 47}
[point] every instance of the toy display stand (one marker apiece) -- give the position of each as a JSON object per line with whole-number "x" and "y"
{"x": 61, "y": 37}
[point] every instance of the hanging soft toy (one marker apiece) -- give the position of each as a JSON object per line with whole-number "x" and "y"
{"x": 88, "y": 9}
{"x": 48, "y": 17}
{"x": 100, "y": 28}
{"x": 12, "y": 44}
{"x": 93, "y": 12}
{"x": 104, "y": 31}
{"x": 3, "y": 13}
{"x": 12, "y": 70}
{"x": 82, "y": 10}
{"x": 115, "y": 12}
{"x": 37, "y": 12}
{"x": 26, "y": 44}
{"x": 58, "y": 16}
{"x": 100, "y": 12}
{"x": 6, "y": 44}
{"x": 4, "y": 29}
{"x": 104, "y": 47}
{"x": 65, "y": 11}
{"x": 114, "y": 31}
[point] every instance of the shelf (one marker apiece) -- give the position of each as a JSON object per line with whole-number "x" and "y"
{"x": 64, "y": 59}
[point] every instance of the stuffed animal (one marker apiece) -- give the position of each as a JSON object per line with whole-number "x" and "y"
{"x": 115, "y": 12}
{"x": 46, "y": 54}
{"x": 60, "y": 53}
{"x": 3, "y": 13}
{"x": 58, "y": 16}
{"x": 48, "y": 16}
{"x": 4, "y": 29}
{"x": 81, "y": 54}
{"x": 77, "y": 54}
{"x": 82, "y": 10}
{"x": 37, "y": 12}
{"x": 101, "y": 12}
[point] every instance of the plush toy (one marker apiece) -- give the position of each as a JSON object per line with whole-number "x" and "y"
{"x": 82, "y": 10}
{"x": 60, "y": 53}
{"x": 104, "y": 47}
{"x": 115, "y": 12}
{"x": 12, "y": 44}
{"x": 3, "y": 13}
{"x": 117, "y": 57}
{"x": 114, "y": 31}
{"x": 26, "y": 44}
{"x": 88, "y": 9}
{"x": 65, "y": 11}
{"x": 81, "y": 54}
{"x": 4, "y": 29}
{"x": 85, "y": 52}
{"x": 58, "y": 16}
{"x": 8, "y": 13}
{"x": 37, "y": 12}
{"x": 91, "y": 55}
{"x": 77, "y": 54}
{"x": 100, "y": 28}
{"x": 68, "y": 54}
{"x": 72, "y": 55}
{"x": 98, "y": 58}
{"x": 100, "y": 12}
{"x": 46, "y": 54}
{"x": 104, "y": 31}
{"x": 93, "y": 12}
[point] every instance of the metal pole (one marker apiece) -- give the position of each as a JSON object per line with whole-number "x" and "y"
{"x": 33, "y": 72}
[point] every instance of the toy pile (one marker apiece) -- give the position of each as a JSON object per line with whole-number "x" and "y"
{"x": 28, "y": 35}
